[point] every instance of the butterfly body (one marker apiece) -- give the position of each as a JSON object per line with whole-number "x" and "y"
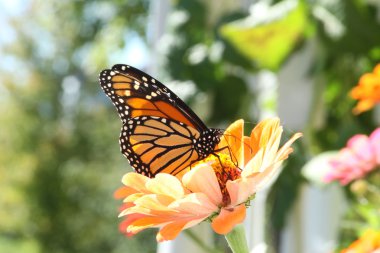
{"x": 160, "y": 133}
{"x": 207, "y": 141}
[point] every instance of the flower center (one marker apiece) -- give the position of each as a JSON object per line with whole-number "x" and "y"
{"x": 224, "y": 170}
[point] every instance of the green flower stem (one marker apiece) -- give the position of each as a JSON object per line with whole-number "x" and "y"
{"x": 236, "y": 240}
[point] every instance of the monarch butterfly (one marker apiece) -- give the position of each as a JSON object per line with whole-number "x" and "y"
{"x": 160, "y": 133}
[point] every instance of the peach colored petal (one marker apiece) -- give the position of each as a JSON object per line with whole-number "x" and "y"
{"x": 146, "y": 222}
{"x": 239, "y": 190}
{"x": 194, "y": 204}
{"x": 154, "y": 202}
{"x": 262, "y": 179}
{"x": 125, "y": 206}
{"x": 202, "y": 178}
{"x": 233, "y": 139}
{"x": 136, "y": 181}
{"x": 285, "y": 150}
{"x": 170, "y": 231}
{"x": 271, "y": 149}
{"x": 134, "y": 210}
{"x": 248, "y": 153}
{"x": 265, "y": 157}
{"x": 228, "y": 219}
{"x": 166, "y": 184}
{"x": 133, "y": 197}
{"x": 192, "y": 222}
{"x": 267, "y": 136}
{"x": 123, "y": 192}
{"x": 254, "y": 165}
{"x": 148, "y": 212}
{"x": 127, "y": 221}
{"x": 263, "y": 132}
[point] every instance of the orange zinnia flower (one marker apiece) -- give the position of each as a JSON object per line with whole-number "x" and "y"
{"x": 216, "y": 188}
{"x": 369, "y": 242}
{"x": 367, "y": 91}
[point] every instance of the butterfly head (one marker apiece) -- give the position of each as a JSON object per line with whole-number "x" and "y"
{"x": 207, "y": 142}
{"x": 217, "y": 133}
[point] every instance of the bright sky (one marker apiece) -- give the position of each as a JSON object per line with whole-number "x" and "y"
{"x": 134, "y": 53}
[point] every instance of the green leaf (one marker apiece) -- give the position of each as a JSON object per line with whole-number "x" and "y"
{"x": 268, "y": 42}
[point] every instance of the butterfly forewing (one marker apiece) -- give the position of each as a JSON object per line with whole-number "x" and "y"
{"x": 160, "y": 133}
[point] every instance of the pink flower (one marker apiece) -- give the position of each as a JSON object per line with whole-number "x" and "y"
{"x": 360, "y": 157}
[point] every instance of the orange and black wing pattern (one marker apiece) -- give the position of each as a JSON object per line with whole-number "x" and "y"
{"x": 160, "y": 133}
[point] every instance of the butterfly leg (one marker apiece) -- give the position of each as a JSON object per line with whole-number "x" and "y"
{"x": 233, "y": 158}
{"x": 220, "y": 161}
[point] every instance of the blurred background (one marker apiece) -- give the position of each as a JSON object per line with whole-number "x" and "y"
{"x": 228, "y": 59}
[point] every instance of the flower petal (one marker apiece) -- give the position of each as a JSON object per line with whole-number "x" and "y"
{"x": 123, "y": 227}
{"x": 228, "y": 219}
{"x": 239, "y": 190}
{"x": 154, "y": 202}
{"x": 202, "y": 178}
{"x": 133, "y": 197}
{"x": 366, "y": 91}
{"x": 376, "y": 70}
{"x": 170, "y": 231}
{"x": 123, "y": 192}
{"x": 262, "y": 179}
{"x": 233, "y": 139}
{"x": 146, "y": 222}
{"x": 196, "y": 204}
{"x": 285, "y": 150}
{"x": 136, "y": 181}
{"x": 266, "y": 136}
{"x": 166, "y": 184}
{"x": 248, "y": 152}
{"x": 375, "y": 142}
{"x": 363, "y": 105}
{"x": 254, "y": 165}
{"x": 263, "y": 133}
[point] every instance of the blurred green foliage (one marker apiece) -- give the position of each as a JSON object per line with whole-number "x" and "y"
{"x": 268, "y": 42}
{"x": 60, "y": 162}
{"x": 364, "y": 211}
{"x": 345, "y": 33}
